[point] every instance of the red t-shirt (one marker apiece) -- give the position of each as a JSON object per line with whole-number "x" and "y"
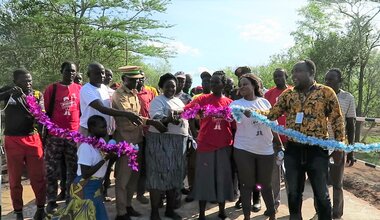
{"x": 66, "y": 111}
{"x": 210, "y": 138}
{"x": 145, "y": 96}
{"x": 272, "y": 96}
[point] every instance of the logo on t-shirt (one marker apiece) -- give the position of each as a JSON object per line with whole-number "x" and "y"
{"x": 68, "y": 102}
{"x": 217, "y": 123}
{"x": 257, "y": 125}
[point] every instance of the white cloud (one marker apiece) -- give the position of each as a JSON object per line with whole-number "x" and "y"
{"x": 268, "y": 31}
{"x": 183, "y": 49}
{"x": 178, "y": 47}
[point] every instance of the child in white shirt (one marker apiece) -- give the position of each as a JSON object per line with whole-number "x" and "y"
{"x": 92, "y": 166}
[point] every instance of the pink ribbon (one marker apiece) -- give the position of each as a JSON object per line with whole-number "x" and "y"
{"x": 223, "y": 112}
{"x": 121, "y": 148}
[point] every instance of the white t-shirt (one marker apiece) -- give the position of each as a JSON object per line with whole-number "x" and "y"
{"x": 160, "y": 107}
{"x": 251, "y": 135}
{"x": 88, "y": 94}
{"x": 110, "y": 91}
{"x": 90, "y": 156}
{"x": 347, "y": 105}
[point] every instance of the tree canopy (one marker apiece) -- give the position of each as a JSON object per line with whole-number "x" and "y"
{"x": 40, "y": 34}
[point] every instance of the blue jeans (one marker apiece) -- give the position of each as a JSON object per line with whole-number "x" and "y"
{"x": 313, "y": 160}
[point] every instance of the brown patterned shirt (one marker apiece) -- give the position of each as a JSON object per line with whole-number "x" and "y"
{"x": 319, "y": 106}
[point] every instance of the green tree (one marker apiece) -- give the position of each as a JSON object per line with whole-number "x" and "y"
{"x": 41, "y": 34}
{"x": 342, "y": 34}
{"x": 367, "y": 38}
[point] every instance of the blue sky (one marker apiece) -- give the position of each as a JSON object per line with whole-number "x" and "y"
{"x": 214, "y": 34}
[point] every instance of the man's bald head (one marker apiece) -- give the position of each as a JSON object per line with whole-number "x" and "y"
{"x": 96, "y": 73}
{"x": 94, "y": 67}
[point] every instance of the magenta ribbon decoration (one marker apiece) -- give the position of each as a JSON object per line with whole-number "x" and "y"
{"x": 223, "y": 112}
{"x": 121, "y": 148}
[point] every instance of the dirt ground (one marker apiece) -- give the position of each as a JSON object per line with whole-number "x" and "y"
{"x": 360, "y": 181}
{"x": 363, "y": 182}
{"x": 362, "y": 200}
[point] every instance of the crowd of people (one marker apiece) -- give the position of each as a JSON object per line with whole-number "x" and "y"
{"x": 221, "y": 160}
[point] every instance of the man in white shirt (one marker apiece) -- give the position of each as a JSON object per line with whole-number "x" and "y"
{"x": 333, "y": 79}
{"x": 95, "y": 100}
{"x": 107, "y": 181}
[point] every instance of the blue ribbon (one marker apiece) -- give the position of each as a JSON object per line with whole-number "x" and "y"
{"x": 237, "y": 113}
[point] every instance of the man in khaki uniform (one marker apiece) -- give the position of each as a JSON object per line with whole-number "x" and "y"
{"x": 125, "y": 98}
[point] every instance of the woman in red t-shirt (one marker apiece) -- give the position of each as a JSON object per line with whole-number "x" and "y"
{"x": 213, "y": 176}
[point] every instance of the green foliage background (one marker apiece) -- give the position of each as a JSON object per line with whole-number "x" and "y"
{"x": 39, "y": 35}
